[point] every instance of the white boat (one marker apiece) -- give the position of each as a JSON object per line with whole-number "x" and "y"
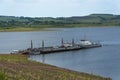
{"x": 89, "y": 44}
{"x": 14, "y": 51}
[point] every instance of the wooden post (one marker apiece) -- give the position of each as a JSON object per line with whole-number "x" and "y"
{"x": 73, "y": 42}
{"x": 42, "y": 43}
{"x": 62, "y": 42}
{"x": 31, "y": 44}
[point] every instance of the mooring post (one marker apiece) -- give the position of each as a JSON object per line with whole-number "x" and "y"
{"x": 31, "y": 44}
{"x": 73, "y": 42}
{"x": 62, "y": 42}
{"x": 42, "y": 43}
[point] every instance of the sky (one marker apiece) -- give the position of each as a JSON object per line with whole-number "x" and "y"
{"x": 58, "y": 8}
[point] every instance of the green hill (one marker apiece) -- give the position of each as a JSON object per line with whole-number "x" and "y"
{"x": 12, "y": 22}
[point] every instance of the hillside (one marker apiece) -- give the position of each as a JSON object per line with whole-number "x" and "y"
{"x": 12, "y": 22}
{"x": 18, "y": 67}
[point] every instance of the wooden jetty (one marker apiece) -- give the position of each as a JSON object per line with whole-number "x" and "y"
{"x": 84, "y": 44}
{"x": 59, "y": 49}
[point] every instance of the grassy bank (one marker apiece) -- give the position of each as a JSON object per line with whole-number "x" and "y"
{"x": 18, "y": 67}
{"x": 45, "y": 28}
{"x": 20, "y": 29}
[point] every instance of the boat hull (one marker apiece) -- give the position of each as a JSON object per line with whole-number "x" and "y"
{"x": 90, "y": 46}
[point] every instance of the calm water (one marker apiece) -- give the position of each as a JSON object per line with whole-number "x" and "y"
{"x": 102, "y": 61}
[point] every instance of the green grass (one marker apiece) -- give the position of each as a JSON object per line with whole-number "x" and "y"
{"x": 43, "y": 27}
{"x": 19, "y": 29}
{"x": 18, "y": 67}
{"x": 3, "y": 76}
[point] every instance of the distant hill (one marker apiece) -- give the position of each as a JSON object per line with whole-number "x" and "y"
{"x": 74, "y": 21}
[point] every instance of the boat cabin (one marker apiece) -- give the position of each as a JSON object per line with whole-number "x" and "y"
{"x": 85, "y": 42}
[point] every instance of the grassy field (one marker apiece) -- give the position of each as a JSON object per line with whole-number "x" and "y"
{"x": 18, "y": 67}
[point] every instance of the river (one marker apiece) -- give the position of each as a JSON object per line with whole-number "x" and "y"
{"x": 102, "y": 61}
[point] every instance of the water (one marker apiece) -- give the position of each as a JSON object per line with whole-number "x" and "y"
{"x": 102, "y": 61}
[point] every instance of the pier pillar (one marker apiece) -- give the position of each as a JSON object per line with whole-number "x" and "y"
{"x": 31, "y": 44}
{"x": 73, "y": 42}
{"x": 42, "y": 43}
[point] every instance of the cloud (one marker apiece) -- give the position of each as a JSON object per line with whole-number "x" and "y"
{"x": 99, "y": 6}
{"x": 1, "y": 0}
{"x": 58, "y": 7}
{"x": 26, "y": 1}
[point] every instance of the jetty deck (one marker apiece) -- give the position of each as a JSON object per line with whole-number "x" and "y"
{"x": 59, "y": 49}
{"x": 84, "y": 44}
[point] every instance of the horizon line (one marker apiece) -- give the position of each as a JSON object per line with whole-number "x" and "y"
{"x": 60, "y": 16}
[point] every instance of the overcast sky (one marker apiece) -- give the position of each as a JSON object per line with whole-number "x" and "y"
{"x": 58, "y": 8}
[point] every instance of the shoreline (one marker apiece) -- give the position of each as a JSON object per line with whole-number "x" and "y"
{"x": 27, "y": 29}
{"x": 17, "y": 67}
